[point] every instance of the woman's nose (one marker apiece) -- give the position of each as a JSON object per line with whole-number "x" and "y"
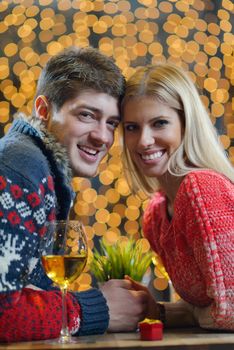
{"x": 146, "y": 138}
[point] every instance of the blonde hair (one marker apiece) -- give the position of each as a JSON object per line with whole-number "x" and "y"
{"x": 200, "y": 147}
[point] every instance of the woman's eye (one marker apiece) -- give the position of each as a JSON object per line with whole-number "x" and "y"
{"x": 160, "y": 122}
{"x": 130, "y": 127}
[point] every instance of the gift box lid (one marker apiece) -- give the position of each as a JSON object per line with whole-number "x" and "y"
{"x": 151, "y": 329}
{"x": 150, "y": 324}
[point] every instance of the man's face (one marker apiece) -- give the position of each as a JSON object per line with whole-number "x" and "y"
{"x": 85, "y": 125}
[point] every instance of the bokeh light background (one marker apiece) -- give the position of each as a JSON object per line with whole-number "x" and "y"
{"x": 194, "y": 34}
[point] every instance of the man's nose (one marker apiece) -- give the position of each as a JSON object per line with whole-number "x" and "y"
{"x": 101, "y": 134}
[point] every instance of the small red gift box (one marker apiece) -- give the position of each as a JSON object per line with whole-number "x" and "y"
{"x": 151, "y": 329}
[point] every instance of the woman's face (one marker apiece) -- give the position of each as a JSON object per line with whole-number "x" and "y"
{"x": 152, "y": 132}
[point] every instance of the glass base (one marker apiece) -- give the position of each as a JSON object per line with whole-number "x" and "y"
{"x": 65, "y": 339}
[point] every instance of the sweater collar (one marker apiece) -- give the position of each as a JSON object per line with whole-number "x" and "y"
{"x": 33, "y": 126}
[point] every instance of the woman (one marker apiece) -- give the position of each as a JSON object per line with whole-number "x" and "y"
{"x": 171, "y": 150}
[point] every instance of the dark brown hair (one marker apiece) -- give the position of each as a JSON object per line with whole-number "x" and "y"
{"x": 77, "y": 69}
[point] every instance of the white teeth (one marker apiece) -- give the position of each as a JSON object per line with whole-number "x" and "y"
{"x": 89, "y": 150}
{"x": 152, "y": 156}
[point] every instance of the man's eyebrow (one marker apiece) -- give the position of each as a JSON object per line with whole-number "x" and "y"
{"x": 92, "y": 108}
{"x": 84, "y": 105}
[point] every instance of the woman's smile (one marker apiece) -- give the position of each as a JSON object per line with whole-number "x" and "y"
{"x": 152, "y": 132}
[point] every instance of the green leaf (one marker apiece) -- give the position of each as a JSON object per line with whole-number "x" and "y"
{"x": 119, "y": 259}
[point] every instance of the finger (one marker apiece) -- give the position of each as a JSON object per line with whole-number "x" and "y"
{"x": 138, "y": 299}
{"x": 135, "y": 285}
{"x": 140, "y": 305}
{"x": 120, "y": 283}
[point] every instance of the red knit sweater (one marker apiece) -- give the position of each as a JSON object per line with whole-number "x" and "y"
{"x": 197, "y": 245}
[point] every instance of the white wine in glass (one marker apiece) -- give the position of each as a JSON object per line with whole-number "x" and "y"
{"x": 64, "y": 256}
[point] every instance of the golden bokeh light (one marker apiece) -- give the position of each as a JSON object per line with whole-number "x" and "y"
{"x": 112, "y": 195}
{"x": 4, "y": 68}
{"x": 114, "y": 220}
{"x": 132, "y": 212}
{"x": 99, "y": 228}
{"x": 101, "y": 202}
{"x": 10, "y": 49}
{"x": 131, "y": 227}
{"x": 111, "y": 237}
{"x": 81, "y": 208}
{"x": 89, "y": 195}
{"x": 160, "y": 283}
{"x": 120, "y": 209}
{"x": 106, "y": 177}
{"x": 102, "y": 216}
{"x": 4, "y": 112}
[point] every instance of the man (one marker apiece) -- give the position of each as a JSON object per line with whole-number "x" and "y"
{"x": 76, "y": 111}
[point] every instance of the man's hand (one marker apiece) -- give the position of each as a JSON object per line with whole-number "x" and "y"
{"x": 127, "y": 306}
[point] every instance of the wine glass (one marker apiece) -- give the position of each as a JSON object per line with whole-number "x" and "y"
{"x": 64, "y": 252}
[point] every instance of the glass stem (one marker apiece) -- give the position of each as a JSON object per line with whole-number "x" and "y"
{"x": 64, "y": 334}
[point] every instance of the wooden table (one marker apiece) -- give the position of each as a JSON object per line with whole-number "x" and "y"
{"x": 184, "y": 339}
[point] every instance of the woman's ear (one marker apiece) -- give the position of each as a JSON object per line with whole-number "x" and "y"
{"x": 42, "y": 108}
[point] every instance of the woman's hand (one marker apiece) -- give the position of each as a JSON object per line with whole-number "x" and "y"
{"x": 152, "y": 309}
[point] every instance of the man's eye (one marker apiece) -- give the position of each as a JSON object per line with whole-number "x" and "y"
{"x": 113, "y": 123}
{"x": 86, "y": 115}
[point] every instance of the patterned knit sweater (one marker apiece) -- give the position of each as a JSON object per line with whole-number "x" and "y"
{"x": 197, "y": 246}
{"x": 35, "y": 188}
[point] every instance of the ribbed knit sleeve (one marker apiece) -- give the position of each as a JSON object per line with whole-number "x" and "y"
{"x": 94, "y": 312}
{"x": 210, "y": 226}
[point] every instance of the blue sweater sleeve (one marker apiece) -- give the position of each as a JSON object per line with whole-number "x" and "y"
{"x": 94, "y": 312}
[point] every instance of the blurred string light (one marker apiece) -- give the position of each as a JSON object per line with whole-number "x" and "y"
{"x": 194, "y": 34}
